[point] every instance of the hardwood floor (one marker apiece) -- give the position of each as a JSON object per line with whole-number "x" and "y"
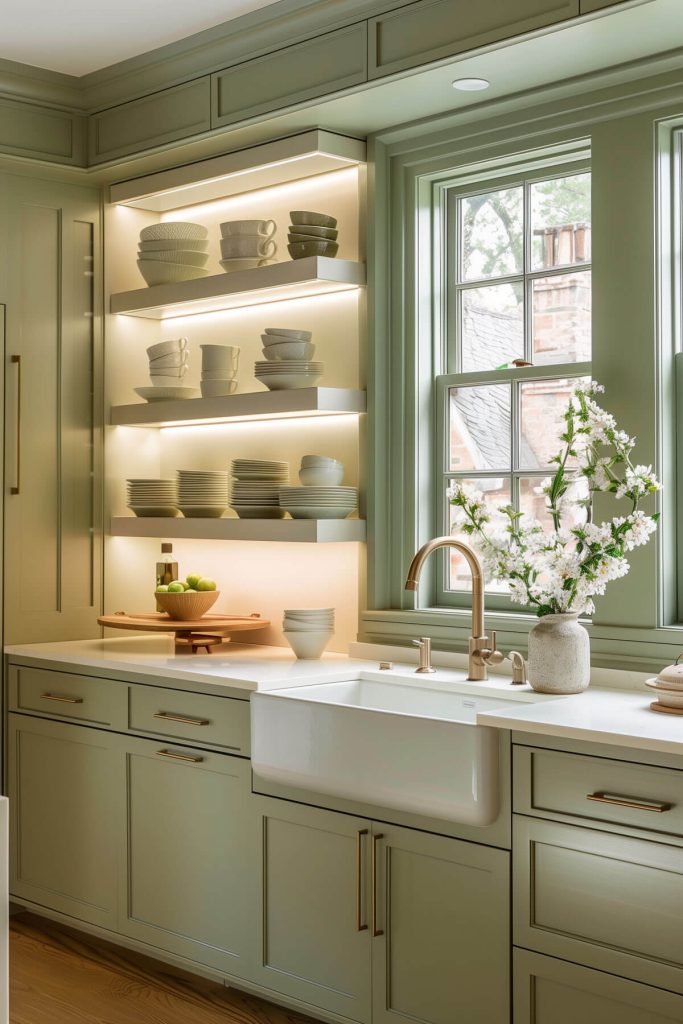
{"x": 60, "y": 976}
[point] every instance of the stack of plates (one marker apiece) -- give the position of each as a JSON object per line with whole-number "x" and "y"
{"x": 173, "y": 252}
{"x": 153, "y": 497}
{"x": 285, "y": 374}
{"x": 256, "y": 488}
{"x": 308, "y": 630}
{"x": 668, "y": 686}
{"x": 319, "y": 502}
{"x": 202, "y": 494}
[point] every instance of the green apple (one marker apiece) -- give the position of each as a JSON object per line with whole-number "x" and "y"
{"x": 205, "y": 584}
{"x": 162, "y": 588}
{"x": 186, "y": 586}
{"x": 176, "y": 587}
{"x": 192, "y": 580}
{"x": 190, "y": 590}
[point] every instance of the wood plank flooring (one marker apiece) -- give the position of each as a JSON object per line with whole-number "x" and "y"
{"x": 60, "y": 976}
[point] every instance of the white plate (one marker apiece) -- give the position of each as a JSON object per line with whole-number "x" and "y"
{"x": 161, "y": 511}
{"x": 208, "y": 474}
{"x": 331, "y": 512}
{"x": 203, "y": 511}
{"x": 229, "y": 266}
{"x": 173, "y": 229}
{"x": 167, "y": 394}
{"x": 259, "y": 512}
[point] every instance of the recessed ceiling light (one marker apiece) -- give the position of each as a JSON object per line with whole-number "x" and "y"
{"x": 470, "y": 84}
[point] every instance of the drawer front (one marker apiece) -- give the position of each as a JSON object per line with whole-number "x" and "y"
{"x": 336, "y": 60}
{"x": 607, "y": 901}
{"x": 68, "y": 697}
{"x": 573, "y": 786}
{"x": 167, "y": 116}
{"x": 198, "y": 718}
{"x": 434, "y": 29}
{"x": 548, "y": 991}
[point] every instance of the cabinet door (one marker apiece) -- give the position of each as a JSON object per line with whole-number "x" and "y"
{"x": 549, "y": 991}
{"x": 441, "y": 911}
{"x": 588, "y": 6}
{"x": 65, "y": 786}
{"x": 315, "y": 940}
{"x": 188, "y": 853}
{"x": 53, "y": 517}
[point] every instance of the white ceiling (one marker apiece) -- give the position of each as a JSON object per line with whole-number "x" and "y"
{"x": 78, "y": 36}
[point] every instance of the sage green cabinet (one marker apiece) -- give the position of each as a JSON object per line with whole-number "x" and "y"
{"x": 549, "y": 991}
{"x": 49, "y": 282}
{"x": 432, "y": 30}
{"x": 442, "y": 910}
{"x": 305, "y": 71}
{"x": 588, "y": 6}
{"x": 65, "y": 790}
{"x": 39, "y": 133}
{"x": 190, "y": 870}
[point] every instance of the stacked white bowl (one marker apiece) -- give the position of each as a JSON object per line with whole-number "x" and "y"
{"x": 202, "y": 494}
{"x": 168, "y": 362}
{"x": 288, "y": 360}
{"x": 246, "y": 244}
{"x": 308, "y": 630}
{"x": 151, "y": 497}
{"x": 177, "y": 251}
{"x": 312, "y": 234}
{"x": 668, "y": 687}
{"x": 320, "y": 471}
{"x": 219, "y": 370}
{"x": 319, "y": 502}
{"x": 256, "y": 484}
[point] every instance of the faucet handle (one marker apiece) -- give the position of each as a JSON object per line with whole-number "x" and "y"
{"x": 489, "y": 653}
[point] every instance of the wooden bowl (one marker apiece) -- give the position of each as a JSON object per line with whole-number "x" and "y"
{"x": 187, "y": 607}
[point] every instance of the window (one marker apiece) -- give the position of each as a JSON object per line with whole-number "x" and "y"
{"x": 517, "y": 315}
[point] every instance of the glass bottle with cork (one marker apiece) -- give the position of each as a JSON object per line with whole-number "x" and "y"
{"x": 167, "y": 568}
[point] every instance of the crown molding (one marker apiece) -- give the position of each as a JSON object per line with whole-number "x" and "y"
{"x": 52, "y": 89}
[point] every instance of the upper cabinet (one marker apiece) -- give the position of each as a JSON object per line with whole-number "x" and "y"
{"x": 39, "y": 133}
{"x": 435, "y": 29}
{"x": 588, "y": 6}
{"x": 317, "y": 67}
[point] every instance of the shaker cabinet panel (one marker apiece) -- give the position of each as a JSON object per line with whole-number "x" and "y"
{"x": 431, "y": 30}
{"x": 167, "y": 116}
{"x": 588, "y": 6}
{"x": 549, "y": 991}
{"x": 64, "y": 789}
{"x": 333, "y": 61}
{"x": 42, "y": 134}
{"x": 441, "y": 909}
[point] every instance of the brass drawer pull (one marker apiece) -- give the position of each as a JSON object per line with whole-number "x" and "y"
{"x": 62, "y": 700}
{"x": 180, "y": 757}
{"x": 375, "y": 841}
{"x": 636, "y": 804}
{"x": 359, "y": 880}
{"x": 168, "y": 717}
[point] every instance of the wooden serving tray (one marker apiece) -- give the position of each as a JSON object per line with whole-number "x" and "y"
{"x": 190, "y": 634}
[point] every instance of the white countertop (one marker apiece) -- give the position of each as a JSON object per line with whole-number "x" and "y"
{"x": 611, "y": 716}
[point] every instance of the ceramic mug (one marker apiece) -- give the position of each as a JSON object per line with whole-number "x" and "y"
{"x": 220, "y": 357}
{"x": 247, "y": 247}
{"x": 265, "y": 228}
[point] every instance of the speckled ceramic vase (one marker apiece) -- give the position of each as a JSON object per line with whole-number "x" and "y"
{"x": 559, "y": 654}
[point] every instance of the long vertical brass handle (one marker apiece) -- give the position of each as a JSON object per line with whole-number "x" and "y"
{"x": 359, "y": 880}
{"x": 16, "y": 489}
{"x": 375, "y": 841}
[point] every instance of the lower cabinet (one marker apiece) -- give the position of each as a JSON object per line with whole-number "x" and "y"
{"x": 549, "y": 991}
{"x": 351, "y": 907}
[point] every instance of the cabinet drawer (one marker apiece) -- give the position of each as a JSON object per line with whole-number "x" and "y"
{"x": 573, "y": 786}
{"x": 607, "y": 901}
{"x": 68, "y": 697}
{"x": 548, "y": 991}
{"x": 434, "y": 29}
{"x": 199, "y": 718}
{"x": 336, "y": 60}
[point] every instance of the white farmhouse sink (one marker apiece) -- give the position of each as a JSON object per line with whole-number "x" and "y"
{"x": 397, "y": 743}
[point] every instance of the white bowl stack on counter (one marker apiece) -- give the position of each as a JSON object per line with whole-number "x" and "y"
{"x": 219, "y": 370}
{"x": 308, "y": 630}
{"x": 312, "y": 234}
{"x": 668, "y": 687}
{"x": 320, "y": 471}
{"x": 177, "y": 251}
{"x": 151, "y": 497}
{"x": 288, "y": 360}
{"x": 202, "y": 494}
{"x": 168, "y": 363}
{"x": 255, "y": 491}
{"x": 246, "y": 244}
{"x": 321, "y": 496}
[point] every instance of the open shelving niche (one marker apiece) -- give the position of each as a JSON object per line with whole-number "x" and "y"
{"x": 307, "y": 155}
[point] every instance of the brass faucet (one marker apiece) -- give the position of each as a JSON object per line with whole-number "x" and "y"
{"x": 482, "y": 649}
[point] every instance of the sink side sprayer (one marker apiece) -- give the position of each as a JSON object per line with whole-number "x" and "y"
{"x": 482, "y": 648}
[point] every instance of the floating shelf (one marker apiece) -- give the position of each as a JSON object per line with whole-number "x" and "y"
{"x": 291, "y": 279}
{"x": 312, "y": 531}
{"x": 259, "y": 405}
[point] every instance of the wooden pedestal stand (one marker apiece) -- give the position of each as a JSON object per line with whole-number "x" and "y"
{"x": 191, "y": 635}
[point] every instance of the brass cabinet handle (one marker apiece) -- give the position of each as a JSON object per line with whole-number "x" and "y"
{"x": 180, "y": 757}
{"x": 375, "y": 930}
{"x": 62, "y": 700}
{"x": 16, "y": 489}
{"x": 359, "y": 880}
{"x": 168, "y": 717}
{"x": 636, "y": 804}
